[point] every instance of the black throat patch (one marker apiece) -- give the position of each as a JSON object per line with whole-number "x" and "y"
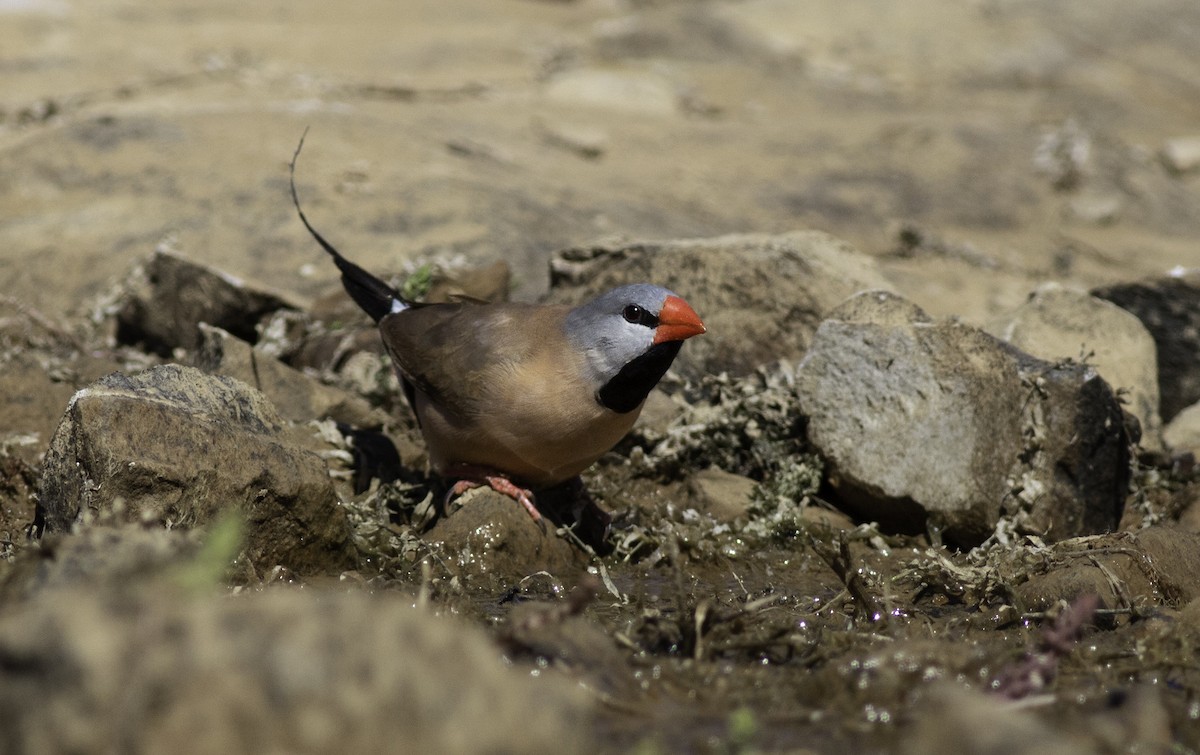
{"x": 629, "y": 387}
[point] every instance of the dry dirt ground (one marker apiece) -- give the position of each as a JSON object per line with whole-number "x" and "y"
{"x": 975, "y": 149}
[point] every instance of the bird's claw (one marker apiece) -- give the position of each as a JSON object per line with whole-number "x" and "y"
{"x": 503, "y": 486}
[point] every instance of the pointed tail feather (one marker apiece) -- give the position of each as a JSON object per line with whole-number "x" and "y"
{"x": 375, "y": 297}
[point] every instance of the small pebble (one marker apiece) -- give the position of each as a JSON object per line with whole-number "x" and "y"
{"x": 1182, "y": 155}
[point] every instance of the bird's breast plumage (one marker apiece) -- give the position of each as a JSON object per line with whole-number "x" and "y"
{"x": 506, "y": 393}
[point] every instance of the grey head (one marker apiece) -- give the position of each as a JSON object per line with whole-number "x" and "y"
{"x": 630, "y": 335}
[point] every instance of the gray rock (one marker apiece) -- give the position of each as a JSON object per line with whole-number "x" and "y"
{"x": 1182, "y": 154}
{"x": 297, "y": 396}
{"x": 177, "y": 446}
{"x": 880, "y": 308}
{"x": 1182, "y": 435}
{"x": 1169, "y": 307}
{"x": 281, "y": 671}
{"x": 939, "y": 423}
{"x": 167, "y": 296}
{"x": 1057, "y": 323}
{"x": 761, "y": 296}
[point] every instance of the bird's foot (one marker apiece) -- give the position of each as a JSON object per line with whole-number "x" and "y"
{"x": 501, "y": 485}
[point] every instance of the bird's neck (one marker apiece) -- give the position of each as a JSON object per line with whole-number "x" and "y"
{"x": 628, "y": 388}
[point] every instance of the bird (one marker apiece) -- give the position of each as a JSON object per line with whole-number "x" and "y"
{"x": 520, "y": 396}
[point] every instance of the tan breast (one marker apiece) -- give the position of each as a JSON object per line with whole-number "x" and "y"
{"x": 540, "y": 423}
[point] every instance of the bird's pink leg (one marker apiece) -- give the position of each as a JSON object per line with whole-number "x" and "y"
{"x": 502, "y": 485}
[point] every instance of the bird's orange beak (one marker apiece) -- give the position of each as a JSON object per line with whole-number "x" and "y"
{"x": 677, "y": 321}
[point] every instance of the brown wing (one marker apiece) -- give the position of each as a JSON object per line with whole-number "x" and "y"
{"x": 454, "y": 352}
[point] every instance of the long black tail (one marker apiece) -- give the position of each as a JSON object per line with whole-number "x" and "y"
{"x": 374, "y": 296}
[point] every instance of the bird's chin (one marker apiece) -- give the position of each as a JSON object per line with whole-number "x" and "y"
{"x": 628, "y": 388}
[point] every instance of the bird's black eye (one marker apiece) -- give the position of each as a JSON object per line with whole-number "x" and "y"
{"x": 638, "y": 316}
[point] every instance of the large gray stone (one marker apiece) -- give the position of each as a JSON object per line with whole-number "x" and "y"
{"x": 761, "y": 296}
{"x": 1058, "y": 323}
{"x": 939, "y": 423}
{"x": 177, "y": 446}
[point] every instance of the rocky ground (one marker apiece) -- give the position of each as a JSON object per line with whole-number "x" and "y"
{"x": 928, "y": 482}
